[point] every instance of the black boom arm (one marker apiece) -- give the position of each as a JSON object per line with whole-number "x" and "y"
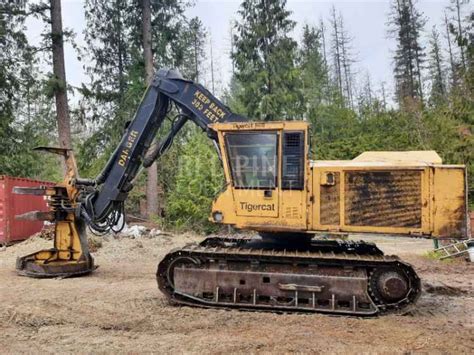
{"x": 114, "y": 182}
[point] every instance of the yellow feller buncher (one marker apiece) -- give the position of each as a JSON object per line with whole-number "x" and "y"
{"x": 274, "y": 189}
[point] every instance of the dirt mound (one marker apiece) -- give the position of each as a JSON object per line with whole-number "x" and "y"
{"x": 443, "y": 289}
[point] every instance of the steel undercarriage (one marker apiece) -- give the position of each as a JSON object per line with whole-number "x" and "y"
{"x": 351, "y": 278}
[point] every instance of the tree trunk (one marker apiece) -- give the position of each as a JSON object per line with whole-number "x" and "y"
{"x": 337, "y": 54}
{"x": 152, "y": 180}
{"x": 460, "y": 33}
{"x": 345, "y": 61}
{"x": 450, "y": 51}
{"x": 59, "y": 72}
{"x": 323, "y": 39}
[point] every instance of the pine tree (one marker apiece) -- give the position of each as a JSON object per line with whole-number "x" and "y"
{"x": 109, "y": 54}
{"x": 384, "y": 96}
{"x": 197, "y": 181}
{"x": 322, "y": 29}
{"x": 457, "y": 29}
{"x": 25, "y": 107}
{"x": 15, "y": 51}
{"x": 53, "y": 41}
{"x": 197, "y": 49}
{"x": 265, "y": 58}
{"x": 406, "y": 25}
{"x": 366, "y": 97}
{"x": 461, "y": 30}
{"x": 436, "y": 68}
{"x": 452, "y": 64}
{"x": 117, "y": 70}
{"x": 312, "y": 67}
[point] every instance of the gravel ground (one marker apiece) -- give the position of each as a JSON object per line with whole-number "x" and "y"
{"x": 119, "y": 309}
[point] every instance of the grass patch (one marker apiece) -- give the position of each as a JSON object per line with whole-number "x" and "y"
{"x": 436, "y": 255}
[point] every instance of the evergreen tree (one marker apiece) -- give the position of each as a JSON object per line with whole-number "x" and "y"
{"x": 461, "y": 30}
{"x": 322, "y": 29}
{"x": 436, "y": 68}
{"x": 312, "y": 67}
{"x": 15, "y": 50}
{"x": 366, "y": 98}
{"x": 452, "y": 64}
{"x": 265, "y": 61}
{"x": 196, "y": 53}
{"x": 117, "y": 71}
{"x": 198, "y": 180}
{"x": 406, "y": 25}
{"x": 108, "y": 47}
{"x": 457, "y": 29}
{"x": 25, "y": 109}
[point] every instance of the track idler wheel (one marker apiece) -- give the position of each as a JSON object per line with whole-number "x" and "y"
{"x": 390, "y": 286}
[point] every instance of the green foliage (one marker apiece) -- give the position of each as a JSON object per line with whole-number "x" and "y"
{"x": 198, "y": 179}
{"x": 24, "y": 107}
{"x": 189, "y": 50}
{"x": 275, "y": 78}
{"x": 436, "y": 69}
{"x": 265, "y": 59}
{"x": 314, "y": 76}
{"x": 114, "y": 43}
{"x": 406, "y": 26}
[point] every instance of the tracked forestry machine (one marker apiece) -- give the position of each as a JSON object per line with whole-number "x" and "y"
{"x": 271, "y": 188}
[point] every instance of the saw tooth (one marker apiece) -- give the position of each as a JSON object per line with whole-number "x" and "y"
{"x": 38, "y": 191}
{"x": 36, "y": 216}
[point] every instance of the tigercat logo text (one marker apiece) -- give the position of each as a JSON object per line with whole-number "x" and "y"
{"x": 128, "y": 145}
{"x": 251, "y": 207}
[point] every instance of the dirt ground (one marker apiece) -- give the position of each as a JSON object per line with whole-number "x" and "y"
{"x": 119, "y": 309}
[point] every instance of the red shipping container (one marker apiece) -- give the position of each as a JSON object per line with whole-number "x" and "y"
{"x": 11, "y": 204}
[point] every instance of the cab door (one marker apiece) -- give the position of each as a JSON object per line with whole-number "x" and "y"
{"x": 253, "y": 161}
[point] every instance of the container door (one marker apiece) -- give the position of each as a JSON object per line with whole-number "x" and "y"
{"x": 450, "y": 218}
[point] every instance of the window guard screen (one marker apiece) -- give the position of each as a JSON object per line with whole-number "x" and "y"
{"x": 253, "y": 159}
{"x": 293, "y": 161}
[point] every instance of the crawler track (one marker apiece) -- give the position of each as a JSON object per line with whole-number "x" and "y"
{"x": 352, "y": 278}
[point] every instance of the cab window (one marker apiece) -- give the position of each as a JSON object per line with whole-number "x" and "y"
{"x": 253, "y": 159}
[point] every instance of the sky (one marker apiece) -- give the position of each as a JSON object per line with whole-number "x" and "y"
{"x": 365, "y": 22}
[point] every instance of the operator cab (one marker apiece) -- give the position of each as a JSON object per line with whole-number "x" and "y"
{"x": 266, "y": 170}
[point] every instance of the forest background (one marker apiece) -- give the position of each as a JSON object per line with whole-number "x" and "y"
{"x": 313, "y": 76}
